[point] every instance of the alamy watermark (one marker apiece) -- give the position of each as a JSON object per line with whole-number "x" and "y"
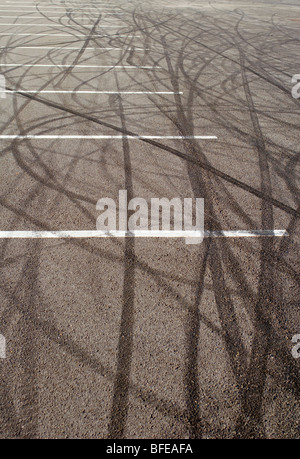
{"x": 296, "y": 88}
{"x": 163, "y": 217}
{"x": 296, "y": 348}
{"x": 2, "y": 347}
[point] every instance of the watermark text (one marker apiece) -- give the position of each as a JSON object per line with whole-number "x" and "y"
{"x": 163, "y": 216}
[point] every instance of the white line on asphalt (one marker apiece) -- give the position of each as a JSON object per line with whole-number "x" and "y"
{"x": 66, "y": 10}
{"x": 28, "y": 17}
{"x": 33, "y": 7}
{"x": 69, "y": 47}
{"x": 69, "y": 35}
{"x": 51, "y": 4}
{"x": 143, "y": 234}
{"x": 98, "y": 137}
{"x": 36, "y": 2}
{"x": 91, "y": 92}
{"x": 20, "y": 2}
{"x": 57, "y": 25}
{"x": 39, "y": 34}
{"x": 72, "y": 12}
{"x": 41, "y": 17}
{"x": 80, "y": 66}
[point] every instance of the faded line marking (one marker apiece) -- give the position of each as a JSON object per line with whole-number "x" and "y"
{"x": 96, "y": 137}
{"x": 93, "y": 92}
{"x": 139, "y": 234}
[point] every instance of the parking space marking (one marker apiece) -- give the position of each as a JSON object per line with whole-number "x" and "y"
{"x": 56, "y": 17}
{"x": 81, "y": 66}
{"x": 41, "y": 17}
{"x": 55, "y": 25}
{"x": 102, "y": 137}
{"x": 65, "y": 8}
{"x": 139, "y": 234}
{"x": 93, "y": 92}
{"x": 68, "y": 47}
{"x": 69, "y": 35}
{"x": 51, "y": 47}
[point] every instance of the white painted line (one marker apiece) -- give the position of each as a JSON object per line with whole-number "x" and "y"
{"x": 99, "y": 137}
{"x": 69, "y": 47}
{"x": 20, "y": 2}
{"x": 138, "y": 234}
{"x": 76, "y": 12}
{"x": 65, "y": 26}
{"x": 52, "y": 3}
{"x": 37, "y": 3}
{"x": 69, "y": 35}
{"x": 28, "y": 17}
{"x": 71, "y": 11}
{"x": 80, "y": 66}
{"x": 92, "y": 92}
{"x": 43, "y": 25}
{"x": 66, "y": 8}
{"x": 41, "y": 17}
{"x": 38, "y": 34}
{"x": 246, "y": 233}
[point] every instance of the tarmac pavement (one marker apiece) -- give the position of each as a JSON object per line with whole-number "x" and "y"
{"x": 149, "y": 338}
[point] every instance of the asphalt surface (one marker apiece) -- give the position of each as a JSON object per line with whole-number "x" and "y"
{"x": 150, "y": 338}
